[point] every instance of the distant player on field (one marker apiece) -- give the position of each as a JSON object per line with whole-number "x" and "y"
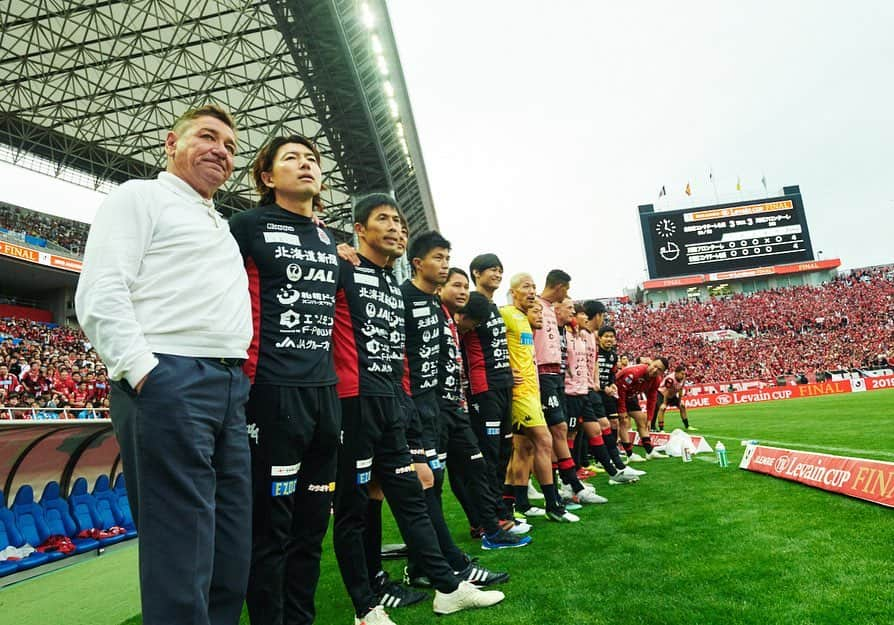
{"x": 670, "y": 393}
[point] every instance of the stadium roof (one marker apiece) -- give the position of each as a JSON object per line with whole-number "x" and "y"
{"x": 91, "y": 87}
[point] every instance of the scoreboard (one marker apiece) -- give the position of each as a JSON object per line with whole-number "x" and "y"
{"x": 741, "y": 235}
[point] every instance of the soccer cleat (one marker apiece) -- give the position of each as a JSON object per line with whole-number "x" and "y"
{"x": 635, "y": 458}
{"x": 622, "y": 477}
{"x": 501, "y": 539}
{"x": 533, "y": 511}
{"x": 518, "y": 516}
{"x": 572, "y": 505}
{"x": 480, "y": 576}
{"x": 466, "y": 596}
{"x": 655, "y": 454}
{"x": 476, "y": 532}
{"x": 562, "y": 516}
{"x": 585, "y": 473}
{"x": 418, "y": 581}
{"x": 633, "y": 472}
{"x": 588, "y": 496}
{"x": 533, "y": 493}
{"x": 392, "y": 595}
{"x": 692, "y": 428}
{"x": 376, "y": 616}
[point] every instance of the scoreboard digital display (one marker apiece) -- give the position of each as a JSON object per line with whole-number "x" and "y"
{"x": 741, "y": 235}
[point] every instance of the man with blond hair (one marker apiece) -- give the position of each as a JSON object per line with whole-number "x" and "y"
{"x": 163, "y": 297}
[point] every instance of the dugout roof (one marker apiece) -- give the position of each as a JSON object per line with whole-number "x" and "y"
{"x": 92, "y": 86}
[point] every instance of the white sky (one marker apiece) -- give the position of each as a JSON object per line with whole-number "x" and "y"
{"x": 543, "y": 126}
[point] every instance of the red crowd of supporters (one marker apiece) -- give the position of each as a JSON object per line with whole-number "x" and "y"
{"x": 847, "y": 323}
{"x": 67, "y": 233}
{"x": 45, "y": 366}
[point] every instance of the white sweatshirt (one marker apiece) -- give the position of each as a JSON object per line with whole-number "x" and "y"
{"x": 161, "y": 274}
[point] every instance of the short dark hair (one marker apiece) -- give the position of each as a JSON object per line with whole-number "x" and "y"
{"x": 663, "y": 361}
{"x": 593, "y": 307}
{"x": 680, "y": 369}
{"x": 454, "y": 270}
{"x": 483, "y": 262}
{"x": 606, "y": 330}
{"x": 557, "y": 277}
{"x": 364, "y": 205}
{"x": 423, "y": 244}
{"x": 264, "y": 163}
{"x": 477, "y": 308}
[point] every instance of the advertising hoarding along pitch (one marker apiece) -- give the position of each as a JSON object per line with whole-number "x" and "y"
{"x": 726, "y": 237}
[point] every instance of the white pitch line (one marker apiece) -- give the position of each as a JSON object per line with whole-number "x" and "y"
{"x": 847, "y": 450}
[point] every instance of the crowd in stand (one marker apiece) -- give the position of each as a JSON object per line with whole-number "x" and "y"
{"x": 49, "y": 372}
{"x": 72, "y": 235}
{"x": 847, "y": 323}
{"x": 844, "y": 324}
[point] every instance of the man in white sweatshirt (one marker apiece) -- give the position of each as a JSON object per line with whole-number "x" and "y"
{"x": 163, "y": 296}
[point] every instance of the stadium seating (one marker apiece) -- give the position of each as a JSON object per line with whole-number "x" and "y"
{"x": 59, "y": 519}
{"x": 30, "y": 521}
{"x": 120, "y": 491}
{"x": 10, "y": 536}
{"x": 86, "y": 515}
{"x": 107, "y": 506}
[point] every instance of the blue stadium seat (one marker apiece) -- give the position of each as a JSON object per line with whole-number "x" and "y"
{"x": 86, "y": 516}
{"x": 30, "y": 521}
{"x": 58, "y": 517}
{"x": 11, "y": 536}
{"x": 120, "y": 492}
{"x": 107, "y": 505}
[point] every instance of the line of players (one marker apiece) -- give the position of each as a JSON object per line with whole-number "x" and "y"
{"x": 363, "y": 389}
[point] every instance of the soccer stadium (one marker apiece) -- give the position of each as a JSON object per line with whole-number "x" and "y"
{"x": 255, "y": 388}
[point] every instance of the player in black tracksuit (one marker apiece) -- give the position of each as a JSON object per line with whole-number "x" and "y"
{"x": 293, "y": 413}
{"x": 366, "y": 338}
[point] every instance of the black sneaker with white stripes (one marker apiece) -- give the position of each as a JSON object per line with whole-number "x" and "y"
{"x": 393, "y": 595}
{"x": 480, "y": 576}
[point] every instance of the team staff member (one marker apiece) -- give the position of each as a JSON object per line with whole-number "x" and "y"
{"x": 636, "y": 379}
{"x": 486, "y": 358}
{"x": 670, "y": 393}
{"x": 293, "y": 411}
{"x": 366, "y": 340}
{"x": 163, "y": 297}
{"x": 530, "y": 433}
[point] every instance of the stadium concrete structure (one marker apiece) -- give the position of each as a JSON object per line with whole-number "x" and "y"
{"x": 88, "y": 90}
{"x": 743, "y": 247}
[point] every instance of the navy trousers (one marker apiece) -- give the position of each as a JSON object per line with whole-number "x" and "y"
{"x": 186, "y": 460}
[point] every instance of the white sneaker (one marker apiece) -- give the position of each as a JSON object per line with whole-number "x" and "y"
{"x": 534, "y": 511}
{"x": 635, "y": 458}
{"x": 566, "y": 492}
{"x": 622, "y": 477}
{"x": 655, "y": 454}
{"x": 533, "y": 493}
{"x": 376, "y": 616}
{"x": 466, "y": 596}
{"x": 520, "y": 527}
{"x": 633, "y": 472}
{"x": 565, "y": 517}
{"x": 589, "y": 496}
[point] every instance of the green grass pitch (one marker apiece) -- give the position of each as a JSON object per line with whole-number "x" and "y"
{"x": 689, "y": 544}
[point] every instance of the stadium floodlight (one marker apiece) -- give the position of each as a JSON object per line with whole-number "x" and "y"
{"x": 389, "y": 88}
{"x": 383, "y": 65}
{"x": 395, "y": 111}
{"x": 400, "y": 129}
{"x": 367, "y": 16}
{"x": 377, "y": 45}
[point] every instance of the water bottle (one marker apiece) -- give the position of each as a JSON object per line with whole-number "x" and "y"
{"x": 687, "y": 454}
{"x": 720, "y": 448}
{"x": 749, "y": 441}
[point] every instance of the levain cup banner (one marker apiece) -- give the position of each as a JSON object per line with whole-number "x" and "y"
{"x": 774, "y": 393}
{"x": 870, "y": 480}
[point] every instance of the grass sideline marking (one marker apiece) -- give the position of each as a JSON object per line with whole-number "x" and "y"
{"x": 785, "y": 444}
